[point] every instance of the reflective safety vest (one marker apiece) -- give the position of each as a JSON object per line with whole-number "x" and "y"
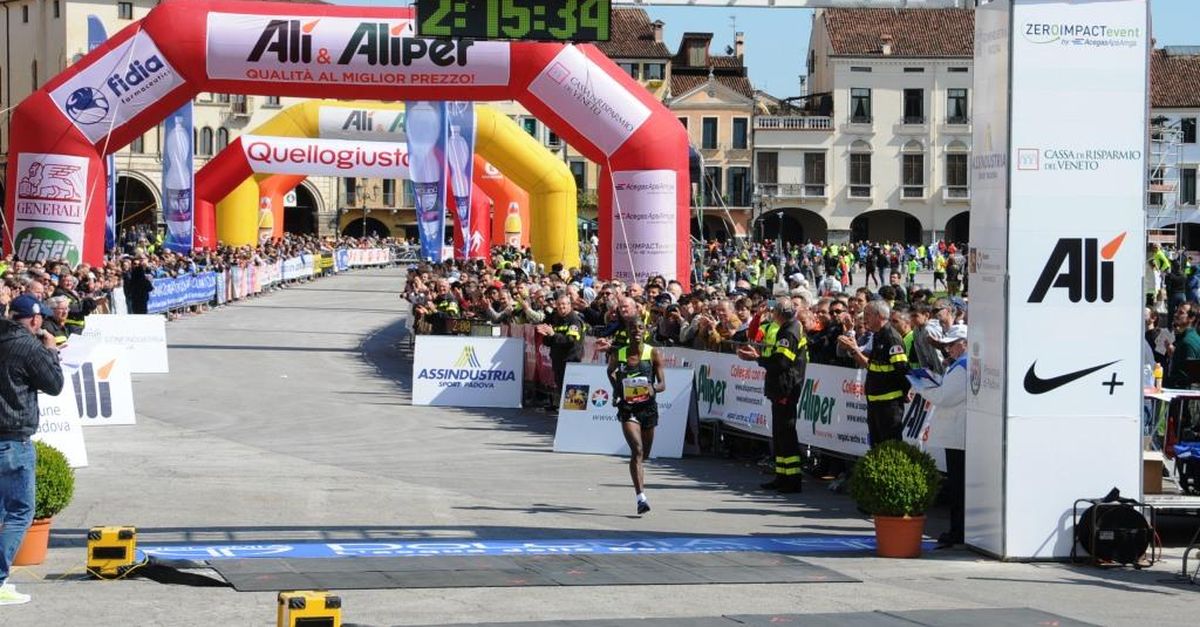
{"x": 448, "y": 306}
{"x": 771, "y": 338}
{"x": 647, "y": 353}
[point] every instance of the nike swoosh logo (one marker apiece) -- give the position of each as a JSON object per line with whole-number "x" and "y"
{"x": 1037, "y": 385}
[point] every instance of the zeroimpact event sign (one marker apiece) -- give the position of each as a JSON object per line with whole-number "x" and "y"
{"x": 467, "y": 371}
{"x": 346, "y": 51}
{"x": 117, "y": 87}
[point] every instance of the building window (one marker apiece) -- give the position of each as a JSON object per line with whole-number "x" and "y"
{"x": 1187, "y": 186}
{"x": 206, "y": 141}
{"x": 708, "y": 139}
{"x": 956, "y": 171}
{"x": 138, "y": 145}
{"x": 741, "y": 128}
{"x": 859, "y": 68}
{"x": 34, "y": 74}
{"x": 914, "y": 70}
{"x": 697, "y": 55}
{"x": 958, "y": 70}
{"x": 766, "y": 173}
{"x": 739, "y": 186}
{"x": 1157, "y": 181}
{"x": 25, "y": 13}
{"x": 860, "y": 105}
{"x": 956, "y": 106}
{"x": 350, "y": 191}
{"x": 222, "y": 138}
{"x": 552, "y": 139}
{"x": 654, "y": 71}
{"x": 712, "y": 187}
{"x": 914, "y": 106}
{"x": 223, "y": 98}
{"x": 389, "y": 192}
{"x": 407, "y": 197}
{"x": 530, "y": 125}
{"x": 814, "y": 174}
{"x": 860, "y": 169}
{"x": 579, "y": 173}
{"x": 57, "y": 10}
{"x": 273, "y": 102}
{"x": 913, "y": 170}
{"x": 125, "y": 10}
{"x": 630, "y": 69}
{"x": 1188, "y": 126}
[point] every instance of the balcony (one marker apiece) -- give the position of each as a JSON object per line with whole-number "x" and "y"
{"x": 956, "y": 193}
{"x": 912, "y": 125}
{"x": 793, "y": 190}
{"x": 958, "y": 121}
{"x": 793, "y": 123}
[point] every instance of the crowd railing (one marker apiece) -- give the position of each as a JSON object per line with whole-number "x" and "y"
{"x": 173, "y": 295}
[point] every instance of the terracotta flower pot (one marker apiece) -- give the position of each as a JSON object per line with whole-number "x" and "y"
{"x": 898, "y": 536}
{"x": 33, "y": 547}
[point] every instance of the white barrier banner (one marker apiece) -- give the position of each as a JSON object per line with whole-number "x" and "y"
{"x": 103, "y": 388}
{"x": 144, "y": 338}
{"x": 587, "y": 420}
{"x": 463, "y": 371}
{"x": 729, "y": 389}
{"x": 59, "y": 424}
{"x": 295, "y": 268}
{"x": 369, "y": 256}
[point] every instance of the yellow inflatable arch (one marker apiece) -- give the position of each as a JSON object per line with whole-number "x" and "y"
{"x": 553, "y": 235}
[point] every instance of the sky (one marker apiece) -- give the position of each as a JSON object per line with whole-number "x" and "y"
{"x": 777, "y": 39}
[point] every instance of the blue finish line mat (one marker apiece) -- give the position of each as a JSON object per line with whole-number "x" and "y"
{"x": 790, "y": 545}
{"x": 517, "y": 570}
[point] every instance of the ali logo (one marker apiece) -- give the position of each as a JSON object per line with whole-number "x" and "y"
{"x": 914, "y": 419}
{"x": 814, "y": 408}
{"x": 92, "y": 393}
{"x": 468, "y": 358}
{"x": 1089, "y": 270}
{"x": 377, "y": 43}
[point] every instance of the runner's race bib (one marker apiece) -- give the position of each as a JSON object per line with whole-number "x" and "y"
{"x": 637, "y": 389}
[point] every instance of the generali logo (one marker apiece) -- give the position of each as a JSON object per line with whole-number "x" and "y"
{"x": 1081, "y": 266}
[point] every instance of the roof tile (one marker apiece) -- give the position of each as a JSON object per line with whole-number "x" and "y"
{"x": 1174, "y": 80}
{"x": 915, "y": 32}
{"x": 632, "y": 36}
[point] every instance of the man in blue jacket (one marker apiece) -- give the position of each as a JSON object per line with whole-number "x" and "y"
{"x": 28, "y": 365}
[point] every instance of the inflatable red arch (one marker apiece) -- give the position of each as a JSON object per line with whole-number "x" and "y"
{"x": 55, "y": 200}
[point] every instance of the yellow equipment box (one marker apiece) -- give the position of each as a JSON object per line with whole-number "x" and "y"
{"x": 309, "y": 608}
{"x": 111, "y": 551}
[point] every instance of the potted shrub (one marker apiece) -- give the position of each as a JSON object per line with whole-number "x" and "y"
{"x": 896, "y": 482}
{"x": 55, "y": 485}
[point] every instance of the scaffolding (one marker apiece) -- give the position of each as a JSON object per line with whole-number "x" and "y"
{"x": 1164, "y": 214}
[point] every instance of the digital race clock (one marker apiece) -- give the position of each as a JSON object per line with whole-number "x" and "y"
{"x": 544, "y": 20}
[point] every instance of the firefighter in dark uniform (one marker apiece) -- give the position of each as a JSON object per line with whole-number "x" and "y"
{"x": 563, "y": 334}
{"x": 887, "y": 365}
{"x": 446, "y": 309}
{"x": 784, "y": 356}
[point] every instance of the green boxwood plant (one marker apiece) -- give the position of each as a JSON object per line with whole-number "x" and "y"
{"x": 55, "y": 482}
{"x": 895, "y": 479}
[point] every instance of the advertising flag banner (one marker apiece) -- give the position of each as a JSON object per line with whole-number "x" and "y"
{"x": 51, "y": 196}
{"x": 178, "y": 179}
{"x": 96, "y": 36}
{"x": 460, "y": 151}
{"x": 425, "y": 125}
{"x": 643, "y": 237}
